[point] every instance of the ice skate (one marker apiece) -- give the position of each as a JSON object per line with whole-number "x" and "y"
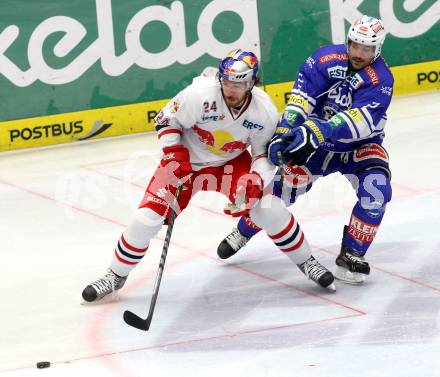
{"x": 318, "y": 273}
{"x": 352, "y": 268}
{"x": 104, "y": 286}
{"x": 231, "y": 244}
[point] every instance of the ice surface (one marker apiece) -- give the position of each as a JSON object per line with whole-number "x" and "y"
{"x": 63, "y": 208}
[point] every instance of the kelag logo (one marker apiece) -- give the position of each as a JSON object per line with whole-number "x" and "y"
{"x": 102, "y": 50}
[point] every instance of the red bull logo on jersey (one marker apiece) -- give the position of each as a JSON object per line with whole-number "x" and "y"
{"x": 175, "y": 107}
{"x": 219, "y": 142}
{"x": 233, "y": 146}
{"x": 206, "y": 137}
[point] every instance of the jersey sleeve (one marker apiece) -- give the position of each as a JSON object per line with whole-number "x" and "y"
{"x": 367, "y": 116}
{"x": 179, "y": 113}
{"x": 310, "y": 82}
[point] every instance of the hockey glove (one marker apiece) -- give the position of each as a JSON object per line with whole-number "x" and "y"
{"x": 304, "y": 140}
{"x": 249, "y": 191}
{"x": 277, "y": 144}
{"x": 175, "y": 166}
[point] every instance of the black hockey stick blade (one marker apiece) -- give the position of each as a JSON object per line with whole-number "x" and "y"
{"x": 135, "y": 321}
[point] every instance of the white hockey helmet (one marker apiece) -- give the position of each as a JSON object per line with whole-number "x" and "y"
{"x": 368, "y": 31}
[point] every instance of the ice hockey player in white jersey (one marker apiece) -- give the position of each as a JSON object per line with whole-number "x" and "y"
{"x": 205, "y": 131}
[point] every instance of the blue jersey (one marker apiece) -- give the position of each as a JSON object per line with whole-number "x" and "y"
{"x": 353, "y": 102}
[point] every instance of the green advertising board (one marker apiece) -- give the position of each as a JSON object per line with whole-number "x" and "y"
{"x": 70, "y": 56}
{"x": 291, "y": 30}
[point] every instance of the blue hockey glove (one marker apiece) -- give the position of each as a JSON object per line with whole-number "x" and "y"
{"x": 277, "y": 144}
{"x": 304, "y": 140}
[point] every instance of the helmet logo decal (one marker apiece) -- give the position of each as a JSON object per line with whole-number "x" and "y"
{"x": 250, "y": 61}
{"x": 239, "y": 65}
{"x": 368, "y": 31}
{"x": 377, "y": 27}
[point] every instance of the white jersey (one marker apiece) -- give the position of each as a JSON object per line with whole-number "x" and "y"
{"x": 199, "y": 118}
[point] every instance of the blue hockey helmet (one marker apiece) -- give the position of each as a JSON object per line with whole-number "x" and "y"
{"x": 239, "y": 66}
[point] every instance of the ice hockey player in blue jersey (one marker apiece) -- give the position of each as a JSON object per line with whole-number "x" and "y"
{"x": 334, "y": 122}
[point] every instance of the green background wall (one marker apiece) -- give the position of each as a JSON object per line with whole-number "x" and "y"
{"x": 288, "y": 31}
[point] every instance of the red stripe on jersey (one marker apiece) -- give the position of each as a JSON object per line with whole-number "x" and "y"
{"x": 173, "y": 131}
{"x": 243, "y": 108}
{"x": 123, "y": 260}
{"x": 285, "y": 231}
{"x": 132, "y": 248}
{"x": 296, "y": 246}
{"x": 247, "y": 103}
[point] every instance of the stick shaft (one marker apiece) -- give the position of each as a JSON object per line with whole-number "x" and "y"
{"x": 161, "y": 265}
{"x": 133, "y": 319}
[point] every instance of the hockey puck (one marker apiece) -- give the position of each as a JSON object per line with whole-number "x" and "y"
{"x": 43, "y": 364}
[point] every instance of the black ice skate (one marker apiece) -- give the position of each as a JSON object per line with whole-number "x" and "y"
{"x": 231, "y": 244}
{"x": 104, "y": 286}
{"x": 318, "y": 273}
{"x": 352, "y": 268}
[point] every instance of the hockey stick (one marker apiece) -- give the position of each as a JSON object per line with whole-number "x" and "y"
{"x": 133, "y": 319}
{"x": 281, "y": 165}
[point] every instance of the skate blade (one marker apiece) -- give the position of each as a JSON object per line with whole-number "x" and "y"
{"x": 349, "y": 277}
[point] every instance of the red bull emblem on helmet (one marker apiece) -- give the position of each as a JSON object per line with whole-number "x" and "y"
{"x": 250, "y": 61}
